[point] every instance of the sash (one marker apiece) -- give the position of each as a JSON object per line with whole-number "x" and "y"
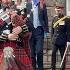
{"x": 58, "y": 21}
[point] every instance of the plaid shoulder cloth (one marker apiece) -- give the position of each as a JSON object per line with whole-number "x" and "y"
{"x": 17, "y": 20}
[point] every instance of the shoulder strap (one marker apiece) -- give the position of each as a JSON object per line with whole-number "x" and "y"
{"x": 58, "y": 21}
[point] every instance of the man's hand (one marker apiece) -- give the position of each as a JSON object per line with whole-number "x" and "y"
{"x": 12, "y": 37}
{"x": 45, "y": 34}
{"x": 17, "y": 30}
{"x": 25, "y": 19}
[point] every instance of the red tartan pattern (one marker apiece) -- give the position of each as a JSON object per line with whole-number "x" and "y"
{"x": 24, "y": 58}
{"x": 1, "y": 22}
{"x": 17, "y": 20}
{"x": 21, "y": 56}
{"x": 8, "y": 43}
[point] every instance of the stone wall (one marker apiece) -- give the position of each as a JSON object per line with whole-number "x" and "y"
{"x": 50, "y": 6}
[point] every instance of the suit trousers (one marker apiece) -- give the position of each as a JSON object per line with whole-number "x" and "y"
{"x": 54, "y": 50}
{"x": 36, "y": 45}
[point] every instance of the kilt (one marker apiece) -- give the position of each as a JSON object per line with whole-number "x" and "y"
{"x": 4, "y": 44}
{"x": 22, "y": 56}
{"x": 7, "y": 44}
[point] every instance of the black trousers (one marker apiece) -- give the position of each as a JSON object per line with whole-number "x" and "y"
{"x": 36, "y": 46}
{"x": 54, "y": 50}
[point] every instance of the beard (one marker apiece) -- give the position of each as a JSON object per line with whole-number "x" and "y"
{"x": 60, "y": 15}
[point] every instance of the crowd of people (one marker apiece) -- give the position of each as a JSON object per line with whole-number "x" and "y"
{"x": 22, "y": 35}
{"x": 22, "y": 29}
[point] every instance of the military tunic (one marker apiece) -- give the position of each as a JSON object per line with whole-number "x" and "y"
{"x": 59, "y": 41}
{"x": 67, "y": 21}
{"x": 59, "y": 32}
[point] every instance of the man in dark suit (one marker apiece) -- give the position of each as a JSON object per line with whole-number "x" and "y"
{"x": 39, "y": 24}
{"x": 59, "y": 36}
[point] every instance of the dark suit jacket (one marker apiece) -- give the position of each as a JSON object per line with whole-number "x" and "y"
{"x": 42, "y": 13}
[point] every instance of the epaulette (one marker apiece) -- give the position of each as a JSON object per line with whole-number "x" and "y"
{"x": 58, "y": 21}
{"x": 68, "y": 16}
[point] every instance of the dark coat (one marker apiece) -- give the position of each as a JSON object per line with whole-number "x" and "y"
{"x": 59, "y": 33}
{"x": 67, "y": 21}
{"x": 42, "y": 13}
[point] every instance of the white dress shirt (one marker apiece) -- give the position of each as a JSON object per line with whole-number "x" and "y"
{"x": 36, "y": 21}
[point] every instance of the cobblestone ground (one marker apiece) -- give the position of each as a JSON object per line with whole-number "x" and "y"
{"x": 47, "y": 61}
{"x": 47, "y": 58}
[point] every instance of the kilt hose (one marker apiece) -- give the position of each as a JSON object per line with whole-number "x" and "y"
{"x": 22, "y": 60}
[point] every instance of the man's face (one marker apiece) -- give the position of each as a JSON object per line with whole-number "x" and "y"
{"x": 57, "y": 11}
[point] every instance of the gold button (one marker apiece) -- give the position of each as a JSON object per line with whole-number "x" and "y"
{"x": 57, "y": 26}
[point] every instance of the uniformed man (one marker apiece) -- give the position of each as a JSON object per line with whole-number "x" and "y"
{"x": 59, "y": 36}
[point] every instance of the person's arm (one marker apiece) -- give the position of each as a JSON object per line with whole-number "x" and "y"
{"x": 45, "y": 18}
{"x": 15, "y": 33}
{"x": 19, "y": 30}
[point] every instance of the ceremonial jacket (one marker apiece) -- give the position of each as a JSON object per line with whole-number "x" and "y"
{"x": 67, "y": 21}
{"x": 58, "y": 32}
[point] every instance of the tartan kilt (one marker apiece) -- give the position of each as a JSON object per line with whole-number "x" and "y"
{"x": 22, "y": 58}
